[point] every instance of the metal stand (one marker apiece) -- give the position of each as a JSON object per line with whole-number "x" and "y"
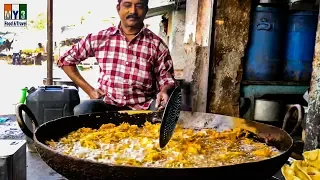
{"x": 49, "y": 42}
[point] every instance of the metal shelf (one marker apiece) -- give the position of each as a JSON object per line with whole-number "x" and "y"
{"x": 255, "y": 89}
{"x": 277, "y": 83}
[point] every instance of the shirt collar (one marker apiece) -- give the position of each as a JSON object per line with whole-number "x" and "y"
{"x": 117, "y": 29}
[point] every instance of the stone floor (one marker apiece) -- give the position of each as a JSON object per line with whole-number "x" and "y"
{"x": 39, "y": 170}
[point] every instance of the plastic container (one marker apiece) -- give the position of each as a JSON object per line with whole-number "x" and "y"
{"x": 263, "y": 56}
{"x": 299, "y": 47}
{"x": 51, "y": 102}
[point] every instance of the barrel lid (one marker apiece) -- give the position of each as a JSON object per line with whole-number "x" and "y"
{"x": 272, "y": 1}
{"x": 302, "y": 1}
{"x": 261, "y": 8}
{"x": 303, "y": 5}
{"x": 52, "y": 87}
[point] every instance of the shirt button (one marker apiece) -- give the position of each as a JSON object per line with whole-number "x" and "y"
{"x": 124, "y": 97}
{"x": 124, "y": 80}
{"x": 127, "y": 63}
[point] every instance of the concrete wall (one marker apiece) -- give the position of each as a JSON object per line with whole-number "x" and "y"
{"x": 176, "y": 37}
{"x": 230, "y": 26}
{"x": 190, "y": 38}
{"x": 231, "y": 36}
{"x": 154, "y": 24}
{"x": 197, "y": 47}
{"x": 312, "y": 129}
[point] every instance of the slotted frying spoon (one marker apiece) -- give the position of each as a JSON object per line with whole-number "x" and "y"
{"x": 170, "y": 117}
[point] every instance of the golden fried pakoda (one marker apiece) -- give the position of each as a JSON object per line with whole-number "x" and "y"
{"x": 138, "y": 146}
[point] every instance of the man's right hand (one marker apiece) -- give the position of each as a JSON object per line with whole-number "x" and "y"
{"x": 96, "y": 94}
{"x": 76, "y": 77}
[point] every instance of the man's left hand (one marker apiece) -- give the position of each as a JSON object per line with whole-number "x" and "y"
{"x": 162, "y": 99}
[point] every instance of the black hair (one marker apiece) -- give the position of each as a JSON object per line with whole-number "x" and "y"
{"x": 119, "y": 1}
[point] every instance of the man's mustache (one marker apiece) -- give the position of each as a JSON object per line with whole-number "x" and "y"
{"x": 133, "y": 16}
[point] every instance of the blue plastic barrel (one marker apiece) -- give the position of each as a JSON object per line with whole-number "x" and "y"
{"x": 299, "y": 47}
{"x": 263, "y": 56}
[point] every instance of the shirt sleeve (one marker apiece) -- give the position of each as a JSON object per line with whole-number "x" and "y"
{"x": 164, "y": 67}
{"x": 79, "y": 52}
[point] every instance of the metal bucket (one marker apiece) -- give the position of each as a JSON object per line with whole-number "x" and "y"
{"x": 277, "y": 113}
{"x": 268, "y": 110}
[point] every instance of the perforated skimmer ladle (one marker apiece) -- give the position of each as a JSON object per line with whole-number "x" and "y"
{"x": 170, "y": 117}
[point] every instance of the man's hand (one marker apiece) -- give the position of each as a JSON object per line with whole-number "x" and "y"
{"x": 162, "y": 99}
{"x": 96, "y": 94}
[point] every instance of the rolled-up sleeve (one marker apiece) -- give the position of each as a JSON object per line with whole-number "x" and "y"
{"x": 79, "y": 52}
{"x": 164, "y": 67}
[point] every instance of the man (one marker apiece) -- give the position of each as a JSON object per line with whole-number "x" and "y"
{"x": 40, "y": 53}
{"x": 16, "y": 53}
{"x": 136, "y": 69}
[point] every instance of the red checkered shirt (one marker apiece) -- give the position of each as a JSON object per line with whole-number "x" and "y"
{"x": 131, "y": 73}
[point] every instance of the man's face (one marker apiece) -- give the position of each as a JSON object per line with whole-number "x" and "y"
{"x": 132, "y": 12}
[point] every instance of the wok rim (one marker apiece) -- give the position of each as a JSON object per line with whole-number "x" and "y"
{"x": 36, "y": 141}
